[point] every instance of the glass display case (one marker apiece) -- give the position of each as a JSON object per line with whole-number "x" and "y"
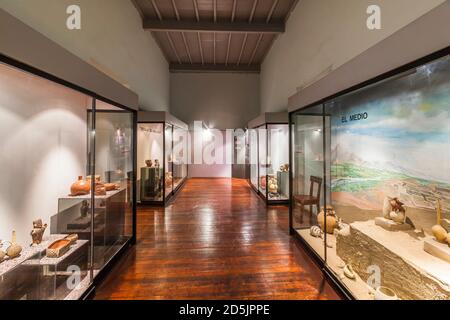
{"x": 162, "y": 157}
{"x": 371, "y": 185}
{"x": 269, "y": 157}
{"x": 66, "y": 196}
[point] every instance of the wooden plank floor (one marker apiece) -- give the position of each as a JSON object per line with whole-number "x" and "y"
{"x": 216, "y": 241}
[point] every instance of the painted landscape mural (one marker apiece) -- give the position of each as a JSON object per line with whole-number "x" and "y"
{"x": 394, "y": 140}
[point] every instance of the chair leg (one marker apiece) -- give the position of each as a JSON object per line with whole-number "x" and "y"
{"x": 310, "y": 214}
{"x": 301, "y": 213}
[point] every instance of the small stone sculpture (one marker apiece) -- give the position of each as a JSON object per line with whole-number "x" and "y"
{"x": 14, "y": 249}
{"x": 149, "y": 163}
{"x": 284, "y": 167}
{"x": 38, "y": 232}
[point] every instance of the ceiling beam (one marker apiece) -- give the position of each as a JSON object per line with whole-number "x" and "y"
{"x": 204, "y": 26}
{"x": 187, "y": 67}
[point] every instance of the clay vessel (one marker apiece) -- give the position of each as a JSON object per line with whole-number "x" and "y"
{"x": 100, "y": 189}
{"x": 332, "y": 221}
{"x": 149, "y": 163}
{"x": 14, "y": 249}
{"x": 384, "y": 293}
{"x": 316, "y": 232}
{"x": 58, "y": 248}
{"x": 111, "y": 186}
{"x": 38, "y": 232}
{"x": 439, "y": 233}
{"x": 80, "y": 188}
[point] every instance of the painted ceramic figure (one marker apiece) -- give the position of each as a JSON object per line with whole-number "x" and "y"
{"x": 38, "y": 232}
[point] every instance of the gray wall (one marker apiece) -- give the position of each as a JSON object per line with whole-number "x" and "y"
{"x": 111, "y": 39}
{"x": 220, "y": 100}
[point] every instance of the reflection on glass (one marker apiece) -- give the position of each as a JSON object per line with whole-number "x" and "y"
{"x": 308, "y": 183}
{"x": 253, "y": 144}
{"x": 169, "y": 160}
{"x": 112, "y": 181}
{"x": 278, "y": 162}
{"x": 387, "y": 161}
{"x": 180, "y": 154}
{"x": 44, "y": 150}
{"x": 262, "y": 156}
{"x": 150, "y": 157}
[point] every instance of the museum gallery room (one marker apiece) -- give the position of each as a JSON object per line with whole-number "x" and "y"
{"x": 225, "y": 150}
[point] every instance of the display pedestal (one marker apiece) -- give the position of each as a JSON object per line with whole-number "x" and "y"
{"x": 391, "y": 225}
{"x": 405, "y": 267}
{"x": 439, "y": 250}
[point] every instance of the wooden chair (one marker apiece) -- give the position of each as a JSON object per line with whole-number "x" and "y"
{"x": 311, "y": 199}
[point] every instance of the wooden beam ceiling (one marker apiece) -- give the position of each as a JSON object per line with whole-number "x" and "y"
{"x": 215, "y": 35}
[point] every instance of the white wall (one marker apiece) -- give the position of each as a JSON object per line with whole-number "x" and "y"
{"x": 111, "y": 39}
{"x": 220, "y": 100}
{"x": 324, "y": 34}
{"x": 42, "y": 149}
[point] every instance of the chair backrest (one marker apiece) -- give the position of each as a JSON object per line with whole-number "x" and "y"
{"x": 315, "y": 180}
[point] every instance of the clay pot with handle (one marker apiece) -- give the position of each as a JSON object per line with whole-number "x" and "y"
{"x": 80, "y": 188}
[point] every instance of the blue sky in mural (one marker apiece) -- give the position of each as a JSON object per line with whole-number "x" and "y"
{"x": 407, "y": 132}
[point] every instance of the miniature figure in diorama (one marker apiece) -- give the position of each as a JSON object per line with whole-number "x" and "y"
{"x": 38, "y": 232}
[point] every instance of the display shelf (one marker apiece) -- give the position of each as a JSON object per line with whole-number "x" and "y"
{"x": 406, "y": 267}
{"x": 28, "y": 253}
{"x": 108, "y": 195}
{"x": 54, "y": 261}
{"x": 358, "y": 286}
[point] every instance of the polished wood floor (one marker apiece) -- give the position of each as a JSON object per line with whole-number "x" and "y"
{"x": 216, "y": 241}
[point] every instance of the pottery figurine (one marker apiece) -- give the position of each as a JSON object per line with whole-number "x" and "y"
{"x": 331, "y": 219}
{"x": 84, "y": 210}
{"x": 439, "y": 233}
{"x": 284, "y": 167}
{"x": 80, "y": 188}
{"x": 38, "y": 232}
{"x": 14, "y": 249}
{"x": 384, "y": 293}
{"x": 149, "y": 163}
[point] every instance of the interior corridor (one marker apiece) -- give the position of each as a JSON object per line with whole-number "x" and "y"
{"x": 217, "y": 240}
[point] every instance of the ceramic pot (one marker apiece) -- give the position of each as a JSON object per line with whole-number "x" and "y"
{"x": 14, "y": 249}
{"x": 315, "y": 231}
{"x": 331, "y": 220}
{"x": 439, "y": 233}
{"x": 80, "y": 188}
{"x": 384, "y": 293}
{"x": 149, "y": 163}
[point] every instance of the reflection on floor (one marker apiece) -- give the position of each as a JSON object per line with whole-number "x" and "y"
{"x": 216, "y": 241}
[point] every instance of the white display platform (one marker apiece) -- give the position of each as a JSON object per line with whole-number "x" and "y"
{"x": 391, "y": 225}
{"x": 439, "y": 250}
